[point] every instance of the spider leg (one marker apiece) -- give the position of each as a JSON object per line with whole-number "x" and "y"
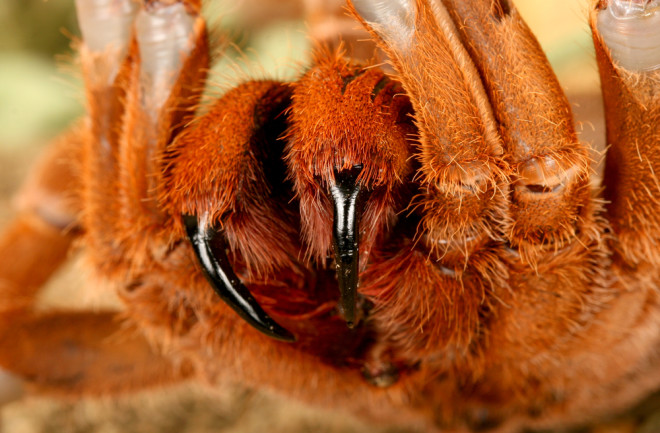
{"x": 550, "y": 194}
{"x": 171, "y": 56}
{"x": 37, "y": 241}
{"x": 510, "y": 243}
{"x": 554, "y": 248}
{"x": 463, "y": 184}
{"x": 563, "y": 303}
{"x": 88, "y": 353}
{"x": 448, "y": 262}
{"x": 627, "y": 39}
{"x": 107, "y": 32}
{"x": 138, "y": 100}
{"x": 33, "y": 247}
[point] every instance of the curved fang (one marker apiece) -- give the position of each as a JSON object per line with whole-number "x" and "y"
{"x": 348, "y": 208}
{"x": 225, "y": 283}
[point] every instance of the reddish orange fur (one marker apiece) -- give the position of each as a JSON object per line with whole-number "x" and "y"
{"x": 462, "y": 173}
{"x": 488, "y": 305}
{"x": 330, "y": 105}
{"x": 225, "y": 154}
{"x": 632, "y": 104}
{"x": 521, "y": 85}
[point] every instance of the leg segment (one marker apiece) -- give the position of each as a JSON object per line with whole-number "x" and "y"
{"x": 463, "y": 178}
{"x": 138, "y": 101}
{"x": 462, "y": 205}
{"x": 628, "y": 62}
{"x": 107, "y": 32}
{"x": 465, "y": 67}
{"x": 81, "y": 353}
{"x": 37, "y": 241}
{"x": 87, "y": 352}
{"x": 66, "y": 353}
{"x": 171, "y": 54}
{"x": 550, "y": 168}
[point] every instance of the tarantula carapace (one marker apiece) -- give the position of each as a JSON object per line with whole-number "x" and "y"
{"x": 421, "y": 245}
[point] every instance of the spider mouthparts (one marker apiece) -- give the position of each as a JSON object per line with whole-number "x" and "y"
{"x": 223, "y": 280}
{"x": 347, "y": 194}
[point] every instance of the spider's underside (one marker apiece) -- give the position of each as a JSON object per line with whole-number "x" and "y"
{"x": 422, "y": 247}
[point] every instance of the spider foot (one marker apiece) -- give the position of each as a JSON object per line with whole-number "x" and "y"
{"x": 107, "y": 28}
{"x": 631, "y": 31}
{"x": 165, "y": 35}
{"x": 627, "y": 41}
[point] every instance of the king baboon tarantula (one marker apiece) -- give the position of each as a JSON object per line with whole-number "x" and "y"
{"x": 420, "y": 245}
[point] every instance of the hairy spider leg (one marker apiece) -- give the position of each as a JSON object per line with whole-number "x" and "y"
{"x": 447, "y": 265}
{"x": 39, "y": 238}
{"x": 85, "y": 353}
{"x": 88, "y": 352}
{"x": 473, "y": 171}
{"x": 107, "y": 32}
{"x": 631, "y": 92}
{"x": 550, "y": 179}
{"x": 170, "y": 63}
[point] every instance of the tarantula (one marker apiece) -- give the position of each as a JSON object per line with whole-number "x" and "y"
{"x": 421, "y": 245}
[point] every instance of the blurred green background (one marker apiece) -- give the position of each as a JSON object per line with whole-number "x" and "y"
{"x": 36, "y": 99}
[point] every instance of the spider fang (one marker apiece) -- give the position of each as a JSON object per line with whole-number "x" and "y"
{"x": 347, "y": 198}
{"x": 221, "y": 276}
